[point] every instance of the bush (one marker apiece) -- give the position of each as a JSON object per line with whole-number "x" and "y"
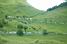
{"x": 25, "y": 28}
{"x": 45, "y": 32}
{"x": 4, "y": 22}
{"x": 19, "y": 26}
{"x": 20, "y": 32}
{"x": 1, "y": 25}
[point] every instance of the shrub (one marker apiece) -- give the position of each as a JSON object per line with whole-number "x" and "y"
{"x": 1, "y": 25}
{"x": 19, "y": 26}
{"x": 25, "y": 28}
{"x": 20, "y": 32}
{"x": 45, "y": 32}
{"x": 34, "y": 28}
{"x": 4, "y": 22}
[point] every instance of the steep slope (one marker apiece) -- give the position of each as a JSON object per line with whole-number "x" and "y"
{"x": 55, "y": 20}
{"x": 15, "y": 8}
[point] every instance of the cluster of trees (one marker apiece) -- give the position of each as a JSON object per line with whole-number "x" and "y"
{"x": 21, "y": 28}
{"x": 15, "y": 17}
{"x": 61, "y": 5}
{"x": 23, "y": 19}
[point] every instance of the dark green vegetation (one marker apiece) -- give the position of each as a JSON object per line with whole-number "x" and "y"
{"x": 20, "y": 17}
{"x": 61, "y": 5}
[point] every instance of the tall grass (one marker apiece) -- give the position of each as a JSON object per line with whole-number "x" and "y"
{"x": 2, "y": 40}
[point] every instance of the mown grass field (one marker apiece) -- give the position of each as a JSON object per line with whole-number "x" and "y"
{"x": 37, "y": 39}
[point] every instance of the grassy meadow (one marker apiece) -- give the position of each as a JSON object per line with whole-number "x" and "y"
{"x": 46, "y": 39}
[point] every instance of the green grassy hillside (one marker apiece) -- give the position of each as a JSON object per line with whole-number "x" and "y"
{"x": 15, "y": 8}
{"x": 19, "y": 12}
{"x": 54, "y": 20}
